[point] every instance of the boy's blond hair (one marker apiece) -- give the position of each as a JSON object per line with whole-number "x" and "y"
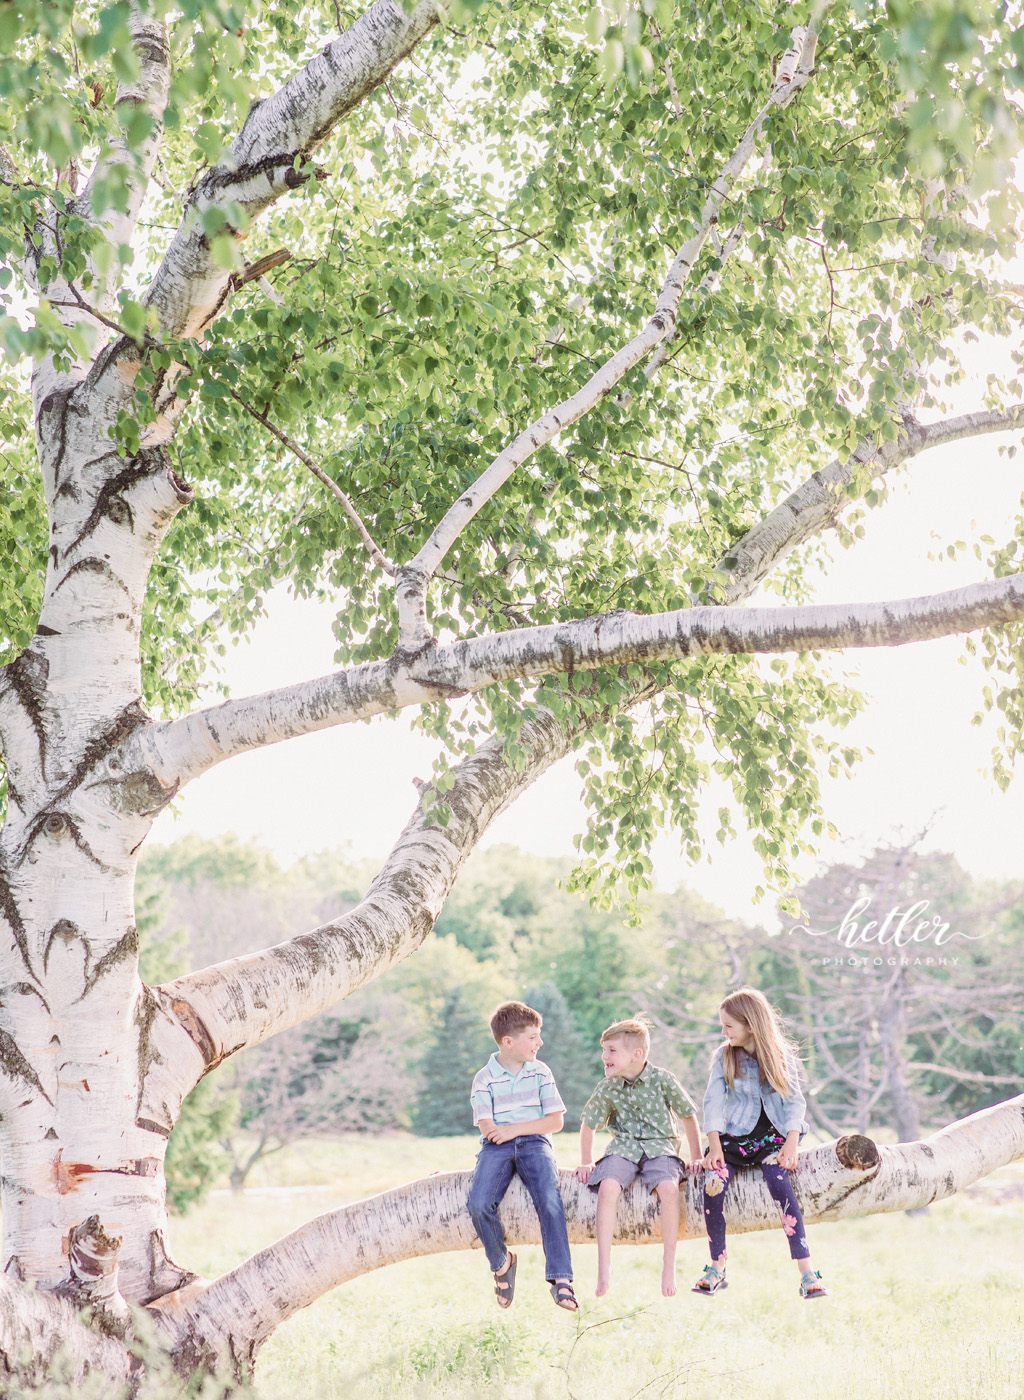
{"x": 632, "y": 1033}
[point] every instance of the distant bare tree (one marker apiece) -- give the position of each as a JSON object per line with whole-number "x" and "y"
{"x": 329, "y": 1075}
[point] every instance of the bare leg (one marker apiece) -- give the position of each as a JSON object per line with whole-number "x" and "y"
{"x": 608, "y": 1194}
{"x": 668, "y": 1195}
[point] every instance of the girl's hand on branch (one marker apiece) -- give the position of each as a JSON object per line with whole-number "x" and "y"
{"x": 788, "y": 1153}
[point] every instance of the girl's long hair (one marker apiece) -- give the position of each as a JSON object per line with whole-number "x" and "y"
{"x": 772, "y": 1046}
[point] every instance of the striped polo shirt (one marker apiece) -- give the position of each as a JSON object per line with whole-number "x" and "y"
{"x": 514, "y": 1098}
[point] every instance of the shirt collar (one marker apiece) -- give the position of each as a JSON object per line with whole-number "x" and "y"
{"x": 497, "y": 1067}
{"x": 629, "y": 1083}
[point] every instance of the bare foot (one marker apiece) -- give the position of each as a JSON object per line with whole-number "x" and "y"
{"x": 668, "y": 1280}
{"x": 603, "y": 1284}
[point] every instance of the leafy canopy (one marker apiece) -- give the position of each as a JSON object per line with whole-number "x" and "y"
{"x": 480, "y": 235}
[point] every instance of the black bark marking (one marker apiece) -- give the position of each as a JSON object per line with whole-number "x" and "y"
{"x": 14, "y": 1064}
{"x": 67, "y": 932}
{"x": 197, "y": 1032}
{"x": 140, "y": 793}
{"x": 58, "y": 403}
{"x": 94, "y": 566}
{"x": 56, "y": 825}
{"x": 24, "y": 989}
{"x": 26, "y": 676}
{"x": 50, "y": 1135}
{"x": 148, "y": 1126}
{"x": 125, "y": 950}
{"x": 146, "y": 1009}
{"x": 131, "y": 718}
{"x": 165, "y": 1276}
{"x": 9, "y": 910}
{"x": 43, "y": 631}
{"x": 13, "y": 795}
{"x": 13, "y": 1267}
{"x": 110, "y": 500}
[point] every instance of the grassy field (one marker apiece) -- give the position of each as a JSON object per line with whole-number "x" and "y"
{"x": 921, "y": 1307}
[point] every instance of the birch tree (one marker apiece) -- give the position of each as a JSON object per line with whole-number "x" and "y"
{"x": 538, "y": 340}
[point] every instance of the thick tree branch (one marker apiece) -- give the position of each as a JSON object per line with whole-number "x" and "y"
{"x": 820, "y": 501}
{"x": 180, "y": 750}
{"x": 850, "y": 1178}
{"x": 265, "y": 160}
{"x": 413, "y": 577}
{"x": 239, "y": 1003}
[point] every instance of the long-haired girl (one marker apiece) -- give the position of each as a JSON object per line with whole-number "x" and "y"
{"x": 754, "y": 1117}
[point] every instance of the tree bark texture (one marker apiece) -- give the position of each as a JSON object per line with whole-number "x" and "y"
{"x": 851, "y": 1177}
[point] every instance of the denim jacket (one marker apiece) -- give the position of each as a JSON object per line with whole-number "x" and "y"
{"x": 736, "y": 1110}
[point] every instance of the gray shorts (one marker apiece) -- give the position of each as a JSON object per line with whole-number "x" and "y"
{"x": 650, "y": 1170}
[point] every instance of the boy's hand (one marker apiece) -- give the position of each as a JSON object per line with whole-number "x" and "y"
{"x": 503, "y": 1132}
{"x": 695, "y": 1167}
{"x": 582, "y": 1172}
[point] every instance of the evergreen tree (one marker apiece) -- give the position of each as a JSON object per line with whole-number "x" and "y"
{"x": 458, "y": 1045}
{"x": 575, "y": 1063}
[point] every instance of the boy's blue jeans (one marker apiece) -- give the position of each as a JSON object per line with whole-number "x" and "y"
{"x": 533, "y": 1159}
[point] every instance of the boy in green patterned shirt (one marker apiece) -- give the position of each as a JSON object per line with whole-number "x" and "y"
{"x": 637, "y": 1101}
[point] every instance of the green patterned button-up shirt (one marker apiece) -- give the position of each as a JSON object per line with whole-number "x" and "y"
{"x": 639, "y": 1113}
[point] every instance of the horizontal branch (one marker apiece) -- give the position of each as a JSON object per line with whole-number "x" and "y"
{"x": 850, "y": 1178}
{"x": 265, "y": 161}
{"x": 181, "y": 750}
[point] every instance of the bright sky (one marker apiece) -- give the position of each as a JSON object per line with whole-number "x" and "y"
{"x": 353, "y": 785}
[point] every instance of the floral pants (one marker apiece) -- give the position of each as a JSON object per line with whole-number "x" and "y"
{"x": 781, "y": 1188}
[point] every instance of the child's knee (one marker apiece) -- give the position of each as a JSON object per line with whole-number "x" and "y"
{"x": 666, "y": 1190}
{"x": 608, "y": 1190}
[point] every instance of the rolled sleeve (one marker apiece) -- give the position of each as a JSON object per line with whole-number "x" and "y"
{"x": 481, "y": 1101}
{"x": 678, "y": 1099}
{"x": 714, "y": 1098}
{"x": 550, "y": 1098}
{"x": 597, "y": 1109}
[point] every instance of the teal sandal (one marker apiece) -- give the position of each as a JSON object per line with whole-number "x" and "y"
{"x": 810, "y": 1287}
{"x": 711, "y": 1281}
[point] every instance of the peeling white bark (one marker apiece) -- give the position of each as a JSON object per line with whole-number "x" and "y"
{"x": 850, "y": 1178}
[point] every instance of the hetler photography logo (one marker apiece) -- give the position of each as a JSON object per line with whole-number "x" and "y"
{"x": 903, "y": 934}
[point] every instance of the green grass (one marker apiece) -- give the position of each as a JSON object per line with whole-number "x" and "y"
{"x": 921, "y": 1308}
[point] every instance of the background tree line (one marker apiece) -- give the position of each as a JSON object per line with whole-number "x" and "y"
{"x": 891, "y": 1045}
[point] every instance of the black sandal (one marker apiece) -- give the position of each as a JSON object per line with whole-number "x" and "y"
{"x": 563, "y": 1295}
{"x": 505, "y": 1283}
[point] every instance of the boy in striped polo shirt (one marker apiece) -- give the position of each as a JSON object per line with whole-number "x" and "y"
{"x": 517, "y": 1107}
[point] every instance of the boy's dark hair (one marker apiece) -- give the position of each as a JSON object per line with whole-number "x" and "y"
{"x": 513, "y": 1016}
